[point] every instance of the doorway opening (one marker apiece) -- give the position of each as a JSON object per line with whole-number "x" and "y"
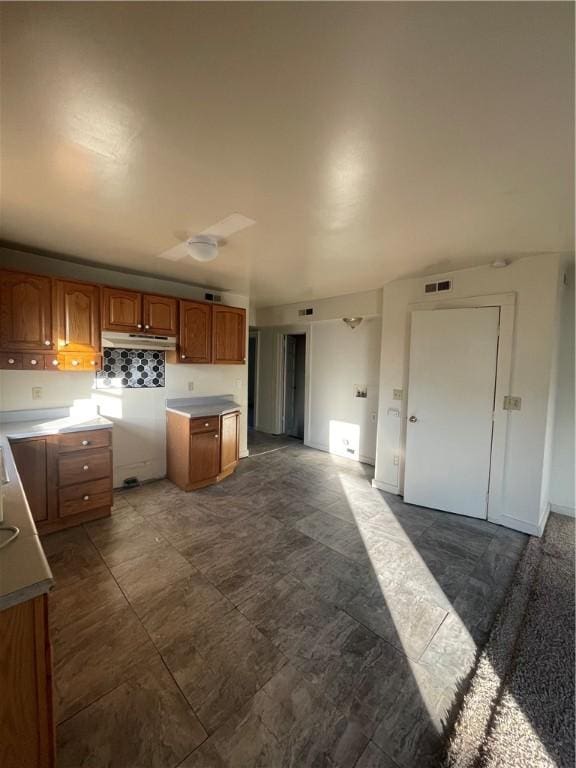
{"x": 252, "y": 378}
{"x": 294, "y": 384}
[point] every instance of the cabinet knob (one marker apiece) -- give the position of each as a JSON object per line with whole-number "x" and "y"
{"x": 183, "y": 357}
{"x": 139, "y": 325}
{"x": 146, "y": 326}
{"x": 11, "y": 361}
{"x": 207, "y": 424}
{"x": 55, "y": 362}
{"x": 33, "y": 362}
{"x": 85, "y": 442}
{"x": 216, "y": 436}
{"x": 48, "y": 343}
{"x": 85, "y": 498}
{"x": 85, "y": 467}
{"x": 75, "y": 362}
{"x": 92, "y": 362}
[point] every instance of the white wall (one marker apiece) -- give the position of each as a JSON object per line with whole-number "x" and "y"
{"x": 341, "y": 360}
{"x": 337, "y": 359}
{"x": 138, "y": 414}
{"x": 563, "y": 458}
{"x": 535, "y": 281}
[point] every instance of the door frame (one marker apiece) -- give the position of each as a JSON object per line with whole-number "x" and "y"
{"x": 282, "y": 379}
{"x": 506, "y": 302}
{"x": 255, "y": 334}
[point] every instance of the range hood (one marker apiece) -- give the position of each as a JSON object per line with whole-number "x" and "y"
{"x": 137, "y": 341}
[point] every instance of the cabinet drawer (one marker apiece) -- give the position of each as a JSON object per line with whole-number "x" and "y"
{"x": 83, "y": 466}
{"x": 206, "y": 424}
{"x": 11, "y": 360}
{"x": 84, "y": 496}
{"x": 82, "y": 441}
{"x": 33, "y": 362}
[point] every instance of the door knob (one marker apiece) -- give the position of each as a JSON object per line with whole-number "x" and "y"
{"x": 413, "y": 419}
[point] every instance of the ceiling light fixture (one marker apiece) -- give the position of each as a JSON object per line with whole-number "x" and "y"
{"x": 203, "y": 247}
{"x": 352, "y": 322}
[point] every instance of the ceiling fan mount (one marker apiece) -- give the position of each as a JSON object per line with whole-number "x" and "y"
{"x": 205, "y": 245}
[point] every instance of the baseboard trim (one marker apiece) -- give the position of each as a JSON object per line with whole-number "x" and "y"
{"x": 561, "y": 510}
{"x": 388, "y": 487}
{"x": 326, "y": 449}
{"x": 533, "y": 529}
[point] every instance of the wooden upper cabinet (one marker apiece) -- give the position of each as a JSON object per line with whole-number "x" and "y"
{"x": 121, "y": 310}
{"x": 77, "y": 323}
{"x": 25, "y": 312}
{"x": 228, "y": 335}
{"x": 160, "y": 315}
{"x": 195, "y": 332}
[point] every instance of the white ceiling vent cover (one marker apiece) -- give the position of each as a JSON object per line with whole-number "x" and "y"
{"x": 305, "y": 312}
{"x": 440, "y": 286}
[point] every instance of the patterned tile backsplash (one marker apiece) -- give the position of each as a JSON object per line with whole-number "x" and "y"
{"x": 132, "y": 369}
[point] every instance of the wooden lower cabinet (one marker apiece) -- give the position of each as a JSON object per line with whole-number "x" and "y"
{"x": 26, "y": 709}
{"x": 202, "y": 451}
{"x": 67, "y": 478}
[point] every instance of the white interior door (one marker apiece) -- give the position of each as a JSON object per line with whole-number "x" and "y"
{"x": 450, "y": 405}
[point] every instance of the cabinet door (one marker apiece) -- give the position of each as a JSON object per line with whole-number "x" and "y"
{"x": 31, "y": 461}
{"x": 229, "y": 437}
{"x": 229, "y": 335}
{"x": 77, "y": 317}
{"x": 195, "y": 332}
{"x": 159, "y": 315}
{"x": 25, "y": 312}
{"x": 121, "y": 310}
{"x": 204, "y": 456}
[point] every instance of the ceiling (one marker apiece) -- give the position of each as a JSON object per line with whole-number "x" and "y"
{"x": 368, "y": 140}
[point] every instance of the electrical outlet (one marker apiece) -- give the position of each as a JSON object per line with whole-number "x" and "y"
{"x": 396, "y": 459}
{"x": 394, "y": 412}
{"x": 397, "y": 394}
{"x": 373, "y": 418}
{"x": 190, "y": 386}
{"x": 36, "y": 393}
{"x": 512, "y": 403}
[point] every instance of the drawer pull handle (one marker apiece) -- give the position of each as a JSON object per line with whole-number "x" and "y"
{"x": 85, "y": 498}
{"x": 85, "y": 442}
{"x": 55, "y": 362}
{"x": 11, "y": 361}
{"x": 48, "y": 342}
{"x": 33, "y": 362}
{"x": 85, "y": 467}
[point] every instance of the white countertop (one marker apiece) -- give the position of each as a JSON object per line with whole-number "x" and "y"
{"x": 24, "y": 570}
{"x": 200, "y": 407}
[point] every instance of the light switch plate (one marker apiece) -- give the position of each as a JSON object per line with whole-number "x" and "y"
{"x": 36, "y": 393}
{"x": 512, "y": 403}
{"x": 397, "y": 394}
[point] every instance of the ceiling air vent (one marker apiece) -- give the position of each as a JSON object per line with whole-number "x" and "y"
{"x": 212, "y": 297}
{"x": 441, "y": 286}
{"x": 305, "y": 312}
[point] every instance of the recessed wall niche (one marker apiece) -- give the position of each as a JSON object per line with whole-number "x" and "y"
{"x": 131, "y": 369}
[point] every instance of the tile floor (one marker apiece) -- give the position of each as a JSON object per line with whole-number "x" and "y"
{"x": 291, "y": 616}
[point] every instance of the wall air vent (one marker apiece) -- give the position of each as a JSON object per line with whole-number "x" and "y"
{"x": 441, "y": 286}
{"x": 305, "y": 312}
{"x": 213, "y": 297}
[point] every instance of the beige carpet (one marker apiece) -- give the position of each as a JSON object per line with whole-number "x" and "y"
{"x": 519, "y": 709}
